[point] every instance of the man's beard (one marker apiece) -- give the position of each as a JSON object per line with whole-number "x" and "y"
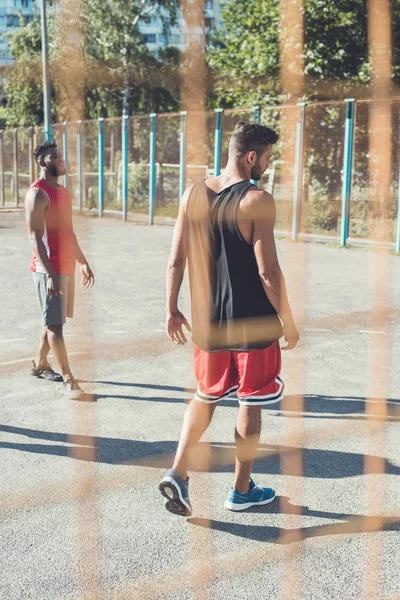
{"x": 57, "y": 171}
{"x": 256, "y": 172}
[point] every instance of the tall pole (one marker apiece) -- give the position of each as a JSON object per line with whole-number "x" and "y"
{"x": 45, "y": 65}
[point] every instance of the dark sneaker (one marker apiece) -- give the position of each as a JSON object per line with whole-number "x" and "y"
{"x": 256, "y": 496}
{"x": 73, "y": 390}
{"x": 176, "y": 491}
{"x": 44, "y": 371}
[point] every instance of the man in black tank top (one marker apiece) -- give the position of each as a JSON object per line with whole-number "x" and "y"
{"x": 240, "y": 309}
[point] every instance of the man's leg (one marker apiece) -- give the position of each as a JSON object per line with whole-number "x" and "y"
{"x": 56, "y": 341}
{"x": 44, "y": 347}
{"x": 197, "y": 418}
{"x": 247, "y": 435}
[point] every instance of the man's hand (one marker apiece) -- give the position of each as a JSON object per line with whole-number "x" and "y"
{"x": 53, "y": 285}
{"x": 291, "y": 336}
{"x": 174, "y": 324}
{"x": 87, "y": 276}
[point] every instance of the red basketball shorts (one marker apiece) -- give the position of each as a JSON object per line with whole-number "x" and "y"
{"x": 254, "y": 375}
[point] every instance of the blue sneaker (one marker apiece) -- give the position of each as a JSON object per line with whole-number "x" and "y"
{"x": 176, "y": 491}
{"x": 256, "y": 496}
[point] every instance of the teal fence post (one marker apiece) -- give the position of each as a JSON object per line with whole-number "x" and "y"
{"x": 79, "y": 161}
{"x": 125, "y": 165}
{"x": 15, "y": 168}
{"x": 152, "y": 170}
{"x": 398, "y": 218}
{"x": 31, "y": 157}
{"x": 218, "y": 141}
{"x": 256, "y": 114}
{"x": 182, "y": 155}
{"x": 2, "y": 186}
{"x": 256, "y": 119}
{"x": 101, "y": 166}
{"x": 65, "y": 153}
{"x": 347, "y": 170}
{"x": 298, "y": 171}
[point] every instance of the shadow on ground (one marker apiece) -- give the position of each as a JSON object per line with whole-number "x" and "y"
{"x": 347, "y": 524}
{"x": 321, "y": 464}
{"x": 311, "y": 406}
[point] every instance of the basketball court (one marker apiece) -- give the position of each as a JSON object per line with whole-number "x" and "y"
{"x": 81, "y": 515}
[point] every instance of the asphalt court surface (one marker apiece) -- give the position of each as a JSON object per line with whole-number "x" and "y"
{"x": 80, "y": 512}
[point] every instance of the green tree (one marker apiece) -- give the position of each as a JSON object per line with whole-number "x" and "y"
{"x": 23, "y": 91}
{"x": 116, "y": 59}
{"x": 244, "y": 54}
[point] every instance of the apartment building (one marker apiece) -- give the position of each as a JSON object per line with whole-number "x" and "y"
{"x": 156, "y": 39}
{"x": 10, "y": 20}
{"x": 151, "y": 28}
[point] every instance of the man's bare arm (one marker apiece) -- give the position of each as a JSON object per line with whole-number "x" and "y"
{"x": 36, "y": 204}
{"x": 80, "y": 257}
{"x": 175, "y": 272}
{"x": 264, "y": 217}
{"x": 87, "y": 279}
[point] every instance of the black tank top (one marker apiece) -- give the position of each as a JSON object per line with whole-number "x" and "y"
{"x": 230, "y": 309}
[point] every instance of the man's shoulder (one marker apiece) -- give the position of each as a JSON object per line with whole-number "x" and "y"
{"x": 257, "y": 203}
{"x": 36, "y": 196}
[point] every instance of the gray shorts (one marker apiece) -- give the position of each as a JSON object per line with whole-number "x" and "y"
{"x": 55, "y": 309}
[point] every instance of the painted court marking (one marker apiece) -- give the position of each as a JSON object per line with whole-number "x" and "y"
{"x": 20, "y": 360}
{"x": 125, "y": 331}
{"x": 14, "y": 340}
{"x": 372, "y": 331}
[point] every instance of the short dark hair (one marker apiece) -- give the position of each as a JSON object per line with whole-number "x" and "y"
{"x": 42, "y": 149}
{"x": 248, "y": 136}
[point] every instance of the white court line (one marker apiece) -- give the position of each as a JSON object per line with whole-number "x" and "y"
{"x": 315, "y": 329}
{"x": 126, "y": 331}
{"x": 20, "y": 360}
{"x": 70, "y": 335}
{"x": 14, "y": 340}
{"x": 371, "y": 331}
{"x": 160, "y": 331}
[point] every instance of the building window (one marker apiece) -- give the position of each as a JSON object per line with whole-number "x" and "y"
{"x": 209, "y": 23}
{"x": 209, "y": 4}
{"x": 150, "y": 38}
{"x": 12, "y": 21}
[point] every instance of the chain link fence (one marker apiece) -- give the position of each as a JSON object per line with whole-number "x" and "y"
{"x": 318, "y": 161}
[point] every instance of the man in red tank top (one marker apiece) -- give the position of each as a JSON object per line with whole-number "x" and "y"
{"x": 55, "y": 249}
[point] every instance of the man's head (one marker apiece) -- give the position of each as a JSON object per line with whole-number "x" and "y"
{"x": 251, "y": 144}
{"x": 49, "y": 158}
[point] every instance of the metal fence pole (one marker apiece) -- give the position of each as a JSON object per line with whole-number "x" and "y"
{"x": 65, "y": 153}
{"x": 298, "y": 171}
{"x": 398, "y": 218}
{"x": 256, "y": 114}
{"x": 347, "y": 170}
{"x": 182, "y": 155}
{"x": 125, "y": 165}
{"x": 35, "y": 165}
{"x": 15, "y": 160}
{"x": 101, "y": 166}
{"x": 79, "y": 164}
{"x": 256, "y": 119}
{"x": 45, "y": 68}
{"x": 152, "y": 170}
{"x": 31, "y": 158}
{"x": 218, "y": 141}
{"x": 2, "y": 188}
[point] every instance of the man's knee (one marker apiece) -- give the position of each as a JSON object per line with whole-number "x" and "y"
{"x": 55, "y": 330}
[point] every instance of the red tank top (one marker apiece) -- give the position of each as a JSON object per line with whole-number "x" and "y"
{"x": 58, "y": 236}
